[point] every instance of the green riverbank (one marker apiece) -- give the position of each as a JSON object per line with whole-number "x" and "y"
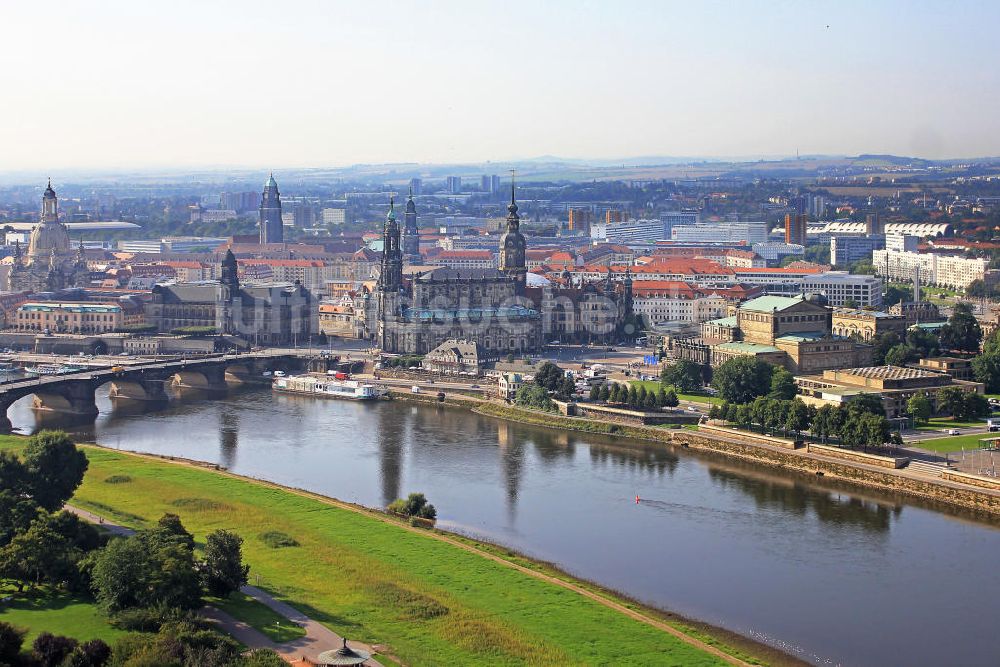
{"x": 431, "y": 598}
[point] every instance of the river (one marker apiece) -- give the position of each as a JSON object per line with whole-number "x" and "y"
{"x": 827, "y": 574}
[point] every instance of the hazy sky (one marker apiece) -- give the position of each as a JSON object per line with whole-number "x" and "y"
{"x": 321, "y": 83}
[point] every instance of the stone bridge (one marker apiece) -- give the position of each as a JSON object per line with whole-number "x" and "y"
{"x": 74, "y": 393}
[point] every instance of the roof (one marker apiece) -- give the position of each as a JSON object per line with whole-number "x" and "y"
{"x": 746, "y": 348}
{"x": 472, "y": 314}
{"x": 725, "y": 322}
{"x": 931, "y": 326}
{"x": 449, "y": 273}
{"x": 48, "y": 307}
{"x": 803, "y": 336}
{"x": 768, "y": 304}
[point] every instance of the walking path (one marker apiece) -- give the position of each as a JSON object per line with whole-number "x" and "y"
{"x": 318, "y": 637}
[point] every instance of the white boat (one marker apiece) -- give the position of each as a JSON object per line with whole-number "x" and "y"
{"x": 326, "y": 387}
{"x": 52, "y": 369}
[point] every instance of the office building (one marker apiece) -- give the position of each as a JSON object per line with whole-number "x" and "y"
{"x": 417, "y": 186}
{"x": 845, "y": 250}
{"x": 845, "y": 289}
{"x": 795, "y": 229}
{"x": 454, "y": 185}
{"x": 901, "y": 242}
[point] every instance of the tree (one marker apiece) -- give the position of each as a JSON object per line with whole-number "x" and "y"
{"x": 742, "y": 379}
{"x": 650, "y": 402}
{"x": 605, "y": 394}
{"x": 920, "y": 408}
{"x": 37, "y": 555}
{"x": 533, "y": 396}
{"x": 881, "y": 346}
{"x": 986, "y": 369}
{"x": 54, "y": 467}
{"x": 871, "y": 403}
{"x": 595, "y": 392}
{"x": 50, "y": 650}
{"x": 549, "y": 376}
{"x": 567, "y": 389}
{"x": 975, "y": 406}
{"x": 148, "y": 569}
{"x": 716, "y": 411}
{"x": 613, "y": 393}
{"x": 783, "y": 385}
{"x": 898, "y": 355}
{"x": 822, "y": 423}
{"x": 894, "y": 294}
{"x": 670, "y": 399}
{"x": 661, "y": 398}
{"x": 874, "y": 429}
{"x": 633, "y": 396}
{"x": 863, "y": 266}
{"x": 796, "y": 417}
{"x": 223, "y": 570}
{"x": 951, "y": 400}
{"x": 171, "y": 523}
{"x": 962, "y": 332}
{"x": 923, "y": 342}
{"x": 684, "y": 375}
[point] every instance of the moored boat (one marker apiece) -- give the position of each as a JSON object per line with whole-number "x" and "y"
{"x": 327, "y": 387}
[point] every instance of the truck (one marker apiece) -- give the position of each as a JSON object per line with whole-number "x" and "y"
{"x": 993, "y": 425}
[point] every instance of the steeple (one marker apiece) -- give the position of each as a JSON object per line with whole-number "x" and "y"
{"x": 230, "y": 273}
{"x": 50, "y": 205}
{"x": 512, "y": 245}
{"x": 411, "y": 235}
{"x": 391, "y": 277}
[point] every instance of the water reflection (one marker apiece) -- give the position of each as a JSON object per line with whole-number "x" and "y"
{"x": 229, "y": 436}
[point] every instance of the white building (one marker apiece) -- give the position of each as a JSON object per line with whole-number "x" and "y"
{"x": 950, "y": 271}
{"x": 841, "y": 287}
{"x": 658, "y": 306}
{"x": 334, "y": 216}
{"x": 751, "y": 232}
{"x": 901, "y": 242}
{"x": 773, "y": 251}
{"x": 631, "y": 231}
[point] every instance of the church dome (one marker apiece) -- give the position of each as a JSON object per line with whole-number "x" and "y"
{"x": 46, "y": 237}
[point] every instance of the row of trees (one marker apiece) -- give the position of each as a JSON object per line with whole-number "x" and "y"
{"x": 860, "y": 423}
{"x": 953, "y": 401}
{"x": 637, "y": 399}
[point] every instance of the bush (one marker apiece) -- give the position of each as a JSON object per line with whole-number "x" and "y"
{"x": 50, "y": 650}
{"x": 194, "y": 331}
{"x": 421, "y": 522}
{"x": 278, "y": 540}
{"x": 415, "y": 505}
{"x": 94, "y": 653}
{"x": 117, "y": 479}
{"x": 11, "y": 639}
{"x": 150, "y": 619}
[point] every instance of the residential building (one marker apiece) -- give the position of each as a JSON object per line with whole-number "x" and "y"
{"x": 795, "y": 229}
{"x": 950, "y": 271}
{"x": 751, "y": 232}
{"x": 845, "y": 250}
{"x": 454, "y": 185}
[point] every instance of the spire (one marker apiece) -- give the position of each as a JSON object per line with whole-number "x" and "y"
{"x": 512, "y": 209}
{"x": 391, "y": 217}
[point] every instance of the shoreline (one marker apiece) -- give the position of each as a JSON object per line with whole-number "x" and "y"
{"x": 710, "y": 638}
{"x": 942, "y": 494}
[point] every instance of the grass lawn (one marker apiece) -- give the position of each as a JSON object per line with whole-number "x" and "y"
{"x": 942, "y": 423}
{"x": 653, "y": 385}
{"x": 56, "y": 612}
{"x": 376, "y": 581}
{"x": 953, "y": 443}
{"x": 257, "y": 615}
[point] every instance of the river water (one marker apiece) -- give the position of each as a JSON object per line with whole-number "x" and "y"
{"x": 830, "y": 575}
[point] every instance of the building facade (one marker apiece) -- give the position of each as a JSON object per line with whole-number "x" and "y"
{"x": 50, "y": 264}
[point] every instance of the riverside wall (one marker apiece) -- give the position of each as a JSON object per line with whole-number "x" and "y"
{"x": 868, "y": 471}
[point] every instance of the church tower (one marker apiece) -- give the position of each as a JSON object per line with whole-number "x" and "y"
{"x": 512, "y": 246}
{"x": 390, "y": 279}
{"x": 230, "y": 273}
{"x": 411, "y": 236}
{"x": 271, "y": 228}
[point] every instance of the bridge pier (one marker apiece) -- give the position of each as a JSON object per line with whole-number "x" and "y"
{"x": 207, "y": 377}
{"x": 139, "y": 389}
{"x": 75, "y": 397}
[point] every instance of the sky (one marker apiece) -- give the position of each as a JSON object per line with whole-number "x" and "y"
{"x": 303, "y": 83}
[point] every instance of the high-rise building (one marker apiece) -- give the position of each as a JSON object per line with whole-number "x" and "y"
{"x": 614, "y": 215}
{"x": 454, "y": 185}
{"x": 795, "y": 228}
{"x": 417, "y": 186}
{"x": 271, "y": 227}
{"x": 494, "y": 184}
{"x": 580, "y": 219}
{"x": 241, "y": 202}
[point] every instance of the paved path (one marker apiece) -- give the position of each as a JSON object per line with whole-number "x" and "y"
{"x": 318, "y": 637}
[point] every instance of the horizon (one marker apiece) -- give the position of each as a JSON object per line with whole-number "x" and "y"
{"x": 127, "y": 86}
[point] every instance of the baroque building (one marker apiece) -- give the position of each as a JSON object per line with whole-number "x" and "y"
{"x": 269, "y": 214}
{"x": 51, "y": 264}
{"x": 486, "y": 307}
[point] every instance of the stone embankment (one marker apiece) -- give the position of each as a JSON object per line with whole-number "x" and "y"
{"x": 887, "y": 473}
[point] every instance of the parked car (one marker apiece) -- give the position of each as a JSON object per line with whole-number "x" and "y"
{"x": 953, "y": 431}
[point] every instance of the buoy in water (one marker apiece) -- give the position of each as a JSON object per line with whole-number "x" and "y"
{"x": 637, "y": 500}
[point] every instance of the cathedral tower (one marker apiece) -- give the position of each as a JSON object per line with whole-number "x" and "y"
{"x": 512, "y": 246}
{"x": 271, "y": 229}
{"x": 391, "y": 277}
{"x": 411, "y": 236}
